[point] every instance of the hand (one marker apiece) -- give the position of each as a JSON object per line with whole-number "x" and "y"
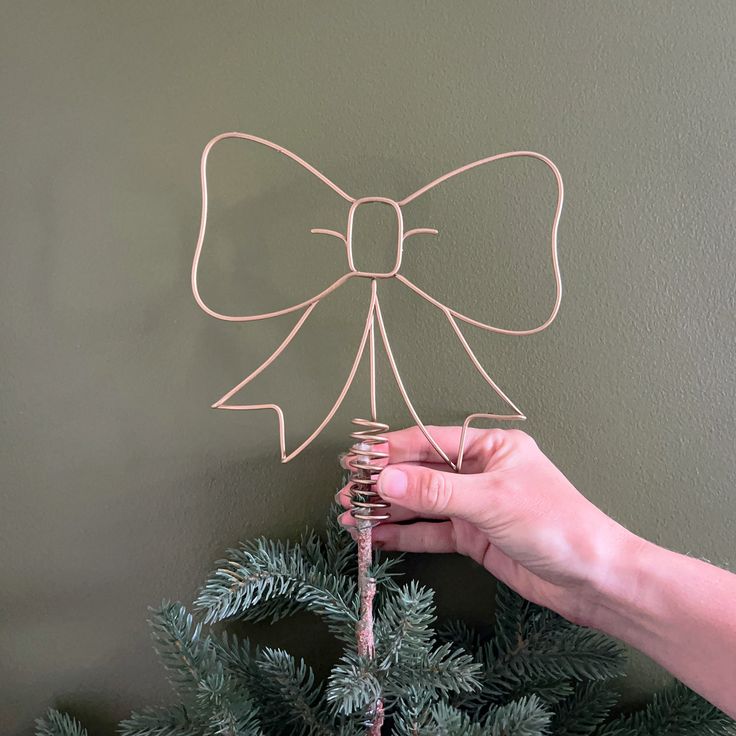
{"x": 510, "y": 509}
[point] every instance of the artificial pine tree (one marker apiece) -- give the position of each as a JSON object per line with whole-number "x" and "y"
{"x": 537, "y": 674}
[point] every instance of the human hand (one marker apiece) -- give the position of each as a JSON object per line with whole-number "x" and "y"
{"x": 510, "y": 509}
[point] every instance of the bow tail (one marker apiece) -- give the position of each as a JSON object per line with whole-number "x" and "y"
{"x": 285, "y": 454}
{"x": 515, "y": 415}
{"x": 402, "y": 390}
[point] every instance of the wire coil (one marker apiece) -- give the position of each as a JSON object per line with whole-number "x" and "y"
{"x": 367, "y": 505}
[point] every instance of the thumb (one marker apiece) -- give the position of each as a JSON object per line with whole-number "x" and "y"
{"x": 432, "y": 491}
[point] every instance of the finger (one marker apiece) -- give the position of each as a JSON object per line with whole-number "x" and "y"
{"x": 396, "y": 513}
{"x": 342, "y": 497}
{"x": 347, "y": 520}
{"x": 348, "y": 458}
{"x": 423, "y": 536}
{"x": 410, "y": 444}
{"x": 429, "y": 491}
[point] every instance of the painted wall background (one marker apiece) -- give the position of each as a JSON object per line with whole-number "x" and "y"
{"x": 120, "y": 487}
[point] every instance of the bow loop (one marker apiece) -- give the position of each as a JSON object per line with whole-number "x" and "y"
{"x": 497, "y": 245}
{"x": 256, "y": 256}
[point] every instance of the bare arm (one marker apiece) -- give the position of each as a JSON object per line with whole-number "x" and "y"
{"x": 517, "y": 515}
{"x": 680, "y": 612}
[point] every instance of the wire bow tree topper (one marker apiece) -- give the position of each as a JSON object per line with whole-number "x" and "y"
{"x": 367, "y": 507}
{"x": 374, "y": 315}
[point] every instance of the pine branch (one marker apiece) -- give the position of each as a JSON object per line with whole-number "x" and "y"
{"x": 187, "y": 656}
{"x": 676, "y": 711}
{"x": 440, "y": 672}
{"x": 534, "y": 650}
{"x": 406, "y": 656}
{"x": 288, "y": 696}
{"x": 569, "y": 652}
{"x": 412, "y": 711}
{"x": 548, "y": 664}
{"x": 339, "y": 546}
{"x": 524, "y": 717}
{"x": 353, "y": 684}
{"x": 55, "y": 723}
{"x": 384, "y": 572}
{"x": 277, "y": 572}
{"x": 237, "y": 658}
{"x": 445, "y": 720}
{"x": 511, "y": 617}
{"x": 230, "y": 711}
{"x": 538, "y": 674}
{"x": 403, "y": 626}
{"x": 581, "y": 713}
{"x": 159, "y": 722}
{"x": 457, "y": 632}
{"x": 260, "y": 570}
{"x": 218, "y": 704}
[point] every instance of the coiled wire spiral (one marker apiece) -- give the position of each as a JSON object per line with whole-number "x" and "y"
{"x": 367, "y": 505}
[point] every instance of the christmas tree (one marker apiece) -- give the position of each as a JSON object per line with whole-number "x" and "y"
{"x": 535, "y": 674}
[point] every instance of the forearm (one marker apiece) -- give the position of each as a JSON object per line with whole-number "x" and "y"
{"x": 679, "y": 611}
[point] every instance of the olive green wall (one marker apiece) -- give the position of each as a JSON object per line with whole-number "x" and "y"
{"x": 121, "y": 486}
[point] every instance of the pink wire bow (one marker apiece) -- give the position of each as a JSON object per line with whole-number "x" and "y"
{"x": 374, "y": 309}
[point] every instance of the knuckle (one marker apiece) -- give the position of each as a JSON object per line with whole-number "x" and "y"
{"x": 521, "y": 438}
{"x": 436, "y": 491}
{"x": 491, "y": 440}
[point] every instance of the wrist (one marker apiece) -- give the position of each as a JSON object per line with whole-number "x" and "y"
{"x": 614, "y": 593}
{"x": 630, "y": 602}
{"x": 674, "y": 608}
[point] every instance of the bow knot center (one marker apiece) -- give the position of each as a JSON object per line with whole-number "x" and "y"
{"x": 377, "y": 255}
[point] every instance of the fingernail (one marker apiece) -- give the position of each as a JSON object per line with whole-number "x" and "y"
{"x": 392, "y": 483}
{"x": 337, "y": 496}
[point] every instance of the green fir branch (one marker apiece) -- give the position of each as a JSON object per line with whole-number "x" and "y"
{"x": 161, "y": 721}
{"x": 55, "y": 723}
{"x": 237, "y": 658}
{"x": 675, "y": 711}
{"x": 403, "y": 624}
{"x": 460, "y": 634}
{"x": 412, "y": 710}
{"x": 582, "y": 713}
{"x": 440, "y": 672}
{"x": 259, "y": 570}
{"x": 524, "y": 717}
{"x": 340, "y": 549}
{"x": 187, "y": 656}
{"x": 288, "y": 696}
{"x": 353, "y": 684}
{"x": 230, "y": 711}
{"x": 266, "y": 570}
{"x": 534, "y": 650}
{"x": 444, "y": 719}
{"x": 536, "y": 675}
{"x": 384, "y": 571}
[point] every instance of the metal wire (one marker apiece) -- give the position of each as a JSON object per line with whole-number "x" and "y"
{"x": 367, "y": 505}
{"x": 453, "y": 457}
